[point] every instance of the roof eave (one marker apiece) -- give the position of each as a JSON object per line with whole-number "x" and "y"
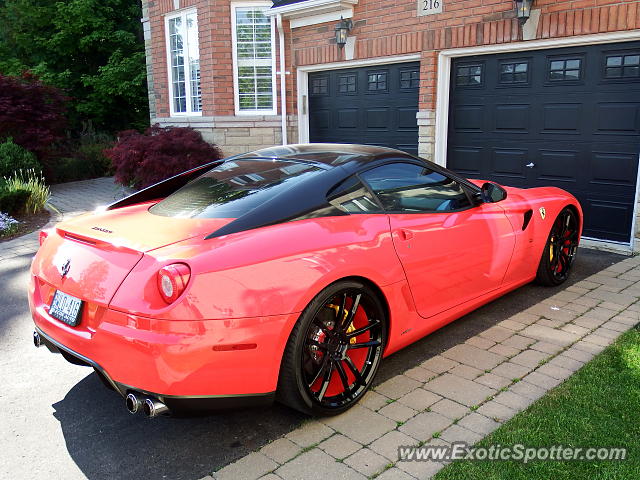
{"x": 311, "y": 10}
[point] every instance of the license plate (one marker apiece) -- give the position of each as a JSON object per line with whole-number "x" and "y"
{"x": 66, "y": 308}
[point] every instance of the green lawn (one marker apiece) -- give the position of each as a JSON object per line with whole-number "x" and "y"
{"x": 599, "y": 406}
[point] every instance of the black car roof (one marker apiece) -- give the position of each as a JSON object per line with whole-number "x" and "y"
{"x": 307, "y": 198}
{"x": 328, "y": 155}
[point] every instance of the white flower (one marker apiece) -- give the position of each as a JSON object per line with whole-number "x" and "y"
{"x": 6, "y": 222}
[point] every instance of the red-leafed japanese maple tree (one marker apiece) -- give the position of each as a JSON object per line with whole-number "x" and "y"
{"x": 32, "y": 114}
{"x": 140, "y": 160}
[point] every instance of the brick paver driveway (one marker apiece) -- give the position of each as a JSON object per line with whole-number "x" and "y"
{"x": 58, "y": 421}
{"x": 463, "y": 393}
{"x": 76, "y": 197}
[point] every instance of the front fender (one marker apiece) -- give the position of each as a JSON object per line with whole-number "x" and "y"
{"x": 545, "y": 203}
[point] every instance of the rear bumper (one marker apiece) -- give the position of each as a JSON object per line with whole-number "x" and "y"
{"x": 222, "y": 362}
{"x": 176, "y": 403}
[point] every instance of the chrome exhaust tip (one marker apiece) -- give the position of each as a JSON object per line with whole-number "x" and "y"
{"x": 154, "y": 408}
{"x": 133, "y": 403}
{"x": 37, "y": 339}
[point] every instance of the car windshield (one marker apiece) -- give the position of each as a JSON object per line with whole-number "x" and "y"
{"x": 233, "y": 188}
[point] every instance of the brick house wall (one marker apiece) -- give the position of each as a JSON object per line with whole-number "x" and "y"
{"x": 218, "y": 123}
{"x": 380, "y": 29}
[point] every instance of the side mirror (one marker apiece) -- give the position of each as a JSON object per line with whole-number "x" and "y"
{"x": 492, "y": 193}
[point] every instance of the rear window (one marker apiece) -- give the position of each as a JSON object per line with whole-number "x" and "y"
{"x": 233, "y": 189}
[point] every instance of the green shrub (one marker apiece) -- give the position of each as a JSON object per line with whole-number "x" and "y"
{"x": 65, "y": 170}
{"x": 14, "y": 201}
{"x": 88, "y": 162}
{"x": 14, "y": 158}
{"x": 33, "y": 183}
{"x": 93, "y": 154}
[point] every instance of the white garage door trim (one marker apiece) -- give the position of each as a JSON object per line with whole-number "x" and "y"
{"x": 303, "y": 83}
{"x": 443, "y": 95}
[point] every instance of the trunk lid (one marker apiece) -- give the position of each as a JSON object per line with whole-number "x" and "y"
{"x": 136, "y": 228}
{"x": 102, "y": 248}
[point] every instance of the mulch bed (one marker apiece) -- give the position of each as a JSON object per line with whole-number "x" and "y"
{"x": 28, "y": 224}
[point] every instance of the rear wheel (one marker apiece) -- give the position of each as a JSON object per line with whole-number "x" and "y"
{"x": 560, "y": 250}
{"x": 334, "y": 350}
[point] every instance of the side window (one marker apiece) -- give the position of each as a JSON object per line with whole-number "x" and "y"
{"x": 623, "y": 66}
{"x": 410, "y": 188}
{"x": 377, "y": 81}
{"x": 319, "y": 85}
{"x": 469, "y": 75}
{"x": 351, "y": 196}
{"x": 565, "y": 69}
{"x": 514, "y": 72}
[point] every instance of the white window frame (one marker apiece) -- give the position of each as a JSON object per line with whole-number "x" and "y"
{"x": 236, "y": 90}
{"x": 189, "y": 112}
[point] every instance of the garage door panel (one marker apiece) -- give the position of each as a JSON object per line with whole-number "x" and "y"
{"x": 348, "y": 118}
{"x": 468, "y": 160}
{"x": 509, "y": 163}
{"x": 512, "y": 118}
{"x": 609, "y": 218}
{"x": 562, "y": 117}
{"x": 371, "y": 105}
{"x": 468, "y": 118}
{"x": 579, "y": 127}
{"x": 407, "y": 119}
{"x": 614, "y": 169}
{"x": 322, "y": 119}
{"x": 618, "y": 118}
{"x": 557, "y": 166}
{"x": 377, "y": 118}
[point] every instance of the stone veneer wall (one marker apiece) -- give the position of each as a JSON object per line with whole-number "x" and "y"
{"x": 426, "y": 133}
{"x": 148, "y": 51}
{"x": 238, "y": 134}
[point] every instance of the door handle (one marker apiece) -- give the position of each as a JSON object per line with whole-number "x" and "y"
{"x": 405, "y": 234}
{"x": 530, "y": 165}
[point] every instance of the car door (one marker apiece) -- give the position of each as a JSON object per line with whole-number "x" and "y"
{"x": 452, "y": 250}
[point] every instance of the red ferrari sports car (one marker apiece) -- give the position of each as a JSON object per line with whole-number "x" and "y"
{"x": 287, "y": 273}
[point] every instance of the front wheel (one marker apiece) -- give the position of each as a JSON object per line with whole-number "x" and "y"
{"x": 560, "y": 250}
{"x": 334, "y": 350}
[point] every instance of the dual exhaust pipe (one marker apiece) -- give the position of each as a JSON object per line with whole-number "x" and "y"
{"x": 135, "y": 402}
{"x": 151, "y": 407}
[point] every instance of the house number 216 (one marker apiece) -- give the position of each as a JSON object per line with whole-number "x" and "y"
{"x": 429, "y": 7}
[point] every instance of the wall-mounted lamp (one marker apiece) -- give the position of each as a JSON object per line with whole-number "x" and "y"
{"x": 523, "y": 10}
{"x": 342, "y": 30}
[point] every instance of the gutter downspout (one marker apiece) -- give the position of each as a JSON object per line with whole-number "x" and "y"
{"x": 283, "y": 80}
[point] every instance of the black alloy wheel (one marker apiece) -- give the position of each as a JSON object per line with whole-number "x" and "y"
{"x": 560, "y": 251}
{"x": 334, "y": 350}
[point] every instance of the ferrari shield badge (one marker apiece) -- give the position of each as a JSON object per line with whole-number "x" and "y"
{"x": 543, "y": 212}
{"x": 65, "y": 267}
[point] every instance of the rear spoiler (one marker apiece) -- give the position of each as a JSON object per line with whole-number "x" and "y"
{"x": 165, "y": 187}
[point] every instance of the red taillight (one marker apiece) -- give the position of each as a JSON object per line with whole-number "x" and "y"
{"x": 43, "y": 236}
{"x": 172, "y": 280}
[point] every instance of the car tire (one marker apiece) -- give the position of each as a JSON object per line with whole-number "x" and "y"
{"x": 560, "y": 250}
{"x": 334, "y": 350}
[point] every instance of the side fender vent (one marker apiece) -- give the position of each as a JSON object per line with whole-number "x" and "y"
{"x": 527, "y": 218}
